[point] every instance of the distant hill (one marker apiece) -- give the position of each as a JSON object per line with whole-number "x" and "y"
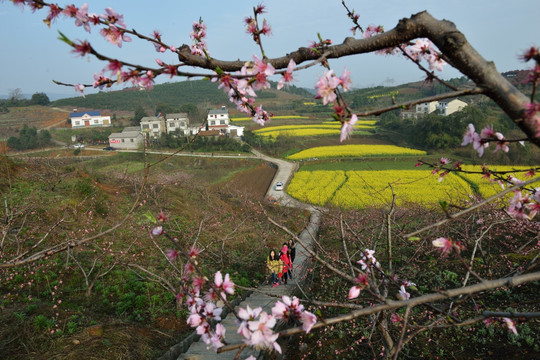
{"x": 176, "y": 94}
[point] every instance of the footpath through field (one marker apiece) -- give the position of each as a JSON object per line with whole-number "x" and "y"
{"x": 265, "y": 295}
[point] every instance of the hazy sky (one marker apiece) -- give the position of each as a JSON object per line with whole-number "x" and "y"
{"x": 31, "y": 56}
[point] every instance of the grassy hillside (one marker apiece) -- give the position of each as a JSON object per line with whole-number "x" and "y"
{"x": 176, "y": 94}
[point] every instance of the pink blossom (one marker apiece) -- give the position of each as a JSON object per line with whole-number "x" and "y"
{"x": 354, "y": 292}
{"x": 261, "y": 117}
{"x": 395, "y": 318}
{"x": 487, "y": 132}
{"x": 81, "y": 17}
{"x": 471, "y": 136}
{"x": 158, "y": 230}
{"x": 114, "y": 35}
{"x": 266, "y": 29}
{"x": 347, "y": 128}
{"x": 501, "y": 144}
{"x": 372, "y": 30}
{"x": 308, "y": 320}
{"x": 172, "y": 254}
{"x": 510, "y": 325}
{"x": 82, "y": 48}
{"x": 79, "y": 88}
{"x": 403, "y": 294}
{"x": 218, "y": 335}
{"x": 345, "y": 80}
{"x": 444, "y": 161}
{"x": 194, "y": 252}
{"x": 113, "y": 17}
{"x": 226, "y": 285}
{"x": 287, "y": 76}
{"x": 326, "y": 87}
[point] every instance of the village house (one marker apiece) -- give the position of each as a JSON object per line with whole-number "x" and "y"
{"x": 446, "y": 108}
{"x": 153, "y": 126}
{"x": 220, "y": 120}
{"x": 177, "y": 123}
{"x": 89, "y": 119}
{"x": 443, "y": 108}
{"x": 130, "y": 138}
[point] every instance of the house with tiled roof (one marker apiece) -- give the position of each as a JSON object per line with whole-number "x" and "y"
{"x": 85, "y": 119}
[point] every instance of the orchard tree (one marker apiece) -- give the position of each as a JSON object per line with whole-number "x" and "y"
{"x": 40, "y": 99}
{"x": 370, "y": 274}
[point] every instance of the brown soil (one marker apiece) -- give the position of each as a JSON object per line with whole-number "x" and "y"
{"x": 255, "y": 181}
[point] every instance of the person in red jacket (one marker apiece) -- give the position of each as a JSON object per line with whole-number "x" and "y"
{"x": 287, "y": 264}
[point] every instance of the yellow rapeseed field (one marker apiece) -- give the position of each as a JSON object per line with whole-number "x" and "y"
{"x": 273, "y": 117}
{"x": 307, "y": 130}
{"x": 487, "y": 186}
{"x": 359, "y": 189}
{"x": 354, "y": 151}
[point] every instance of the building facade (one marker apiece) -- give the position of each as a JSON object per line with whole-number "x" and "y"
{"x": 177, "y": 123}
{"x": 130, "y": 138}
{"x": 153, "y": 126}
{"x": 89, "y": 119}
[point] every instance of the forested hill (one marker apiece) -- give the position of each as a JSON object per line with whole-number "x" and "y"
{"x": 178, "y": 93}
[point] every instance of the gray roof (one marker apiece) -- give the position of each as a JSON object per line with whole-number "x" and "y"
{"x": 126, "y": 134}
{"x": 150, "y": 118}
{"x": 176, "y": 116}
{"x": 217, "y": 112}
{"x": 131, "y": 128}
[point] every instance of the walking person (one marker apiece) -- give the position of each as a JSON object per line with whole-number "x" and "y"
{"x": 292, "y": 252}
{"x": 274, "y": 264}
{"x": 286, "y": 259}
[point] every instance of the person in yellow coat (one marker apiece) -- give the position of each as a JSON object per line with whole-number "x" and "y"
{"x": 274, "y": 264}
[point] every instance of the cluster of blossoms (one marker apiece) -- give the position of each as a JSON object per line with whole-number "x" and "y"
{"x": 445, "y": 246}
{"x": 114, "y": 32}
{"x": 252, "y": 25}
{"x": 256, "y": 325}
{"x": 256, "y": 328}
{"x": 521, "y": 206}
{"x": 327, "y": 91}
{"x": 362, "y": 280}
{"x": 524, "y": 206}
{"x": 368, "y": 260}
{"x": 291, "y": 310}
{"x": 482, "y": 140}
{"x": 440, "y": 167}
{"x": 204, "y": 311}
{"x": 198, "y": 35}
{"x": 253, "y": 76}
{"x": 425, "y": 49}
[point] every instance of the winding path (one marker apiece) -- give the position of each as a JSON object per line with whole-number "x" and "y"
{"x": 266, "y": 295}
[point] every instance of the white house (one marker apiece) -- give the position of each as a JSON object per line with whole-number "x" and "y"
{"x": 177, "y": 123}
{"x": 154, "y": 126}
{"x": 218, "y": 119}
{"x": 129, "y": 139}
{"x": 89, "y": 119}
{"x": 426, "y": 108}
{"x": 446, "y": 108}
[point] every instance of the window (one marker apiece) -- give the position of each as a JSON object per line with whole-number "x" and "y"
{"x": 155, "y": 126}
{"x": 96, "y": 121}
{"x": 145, "y": 126}
{"x": 171, "y": 125}
{"x": 211, "y": 123}
{"x": 77, "y": 122}
{"x": 222, "y": 122}
{"x": 131, "y": 140}
{"x": 122, "y": 140}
